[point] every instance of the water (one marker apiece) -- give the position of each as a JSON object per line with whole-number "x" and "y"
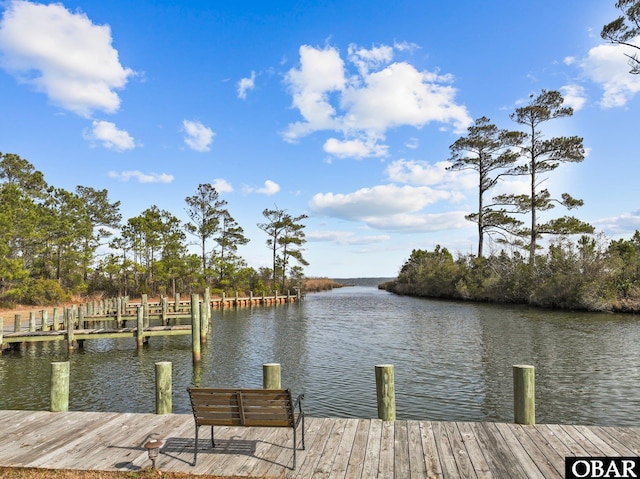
{"x": 453, "y": 361}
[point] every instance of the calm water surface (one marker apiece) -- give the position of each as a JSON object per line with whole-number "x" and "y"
{"x": 453, "y": 361}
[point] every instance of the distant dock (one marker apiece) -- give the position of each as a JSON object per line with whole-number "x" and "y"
{"x": 117, "y": 318}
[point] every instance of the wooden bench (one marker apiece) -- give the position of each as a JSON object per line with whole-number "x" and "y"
{"x": 246, "y": 407}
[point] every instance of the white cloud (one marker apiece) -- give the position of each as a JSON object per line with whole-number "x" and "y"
{"x": 142, "y": 177}
{"x": 418, "y": 172}
{"x": 425, "y": 223}
{"x": 269, "y": 188}
{"x": 111, "y": 137}
{"x": 364, "y": 104}
{"x": 412, "y": 143}
{"x": 401, "y": 95}
{"x": 626, "y": 223}
{"x": 355, "y": 148}
{"x": 607, "y": 65}
{"x": 321, "y": 72}
{"x": 574, "y": 96}
{"x": 366, "y": 59}
{"x": 63, "y": 55}
{"x": 222, "y": 186}
{"x": 246, "y": 84}
{"x": 198, "y": 137}
{"x": 378, "y": 201}
{"x": 345, "y": 237}
{"x": 406, "y": 46}
{"x": 423, "y": 173}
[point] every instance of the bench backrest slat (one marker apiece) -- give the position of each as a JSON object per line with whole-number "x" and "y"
{"x": 242, "y": 407}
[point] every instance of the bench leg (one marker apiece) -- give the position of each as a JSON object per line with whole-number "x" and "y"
{"x": 195, "y": 449}
{"x": 213, "y": 442}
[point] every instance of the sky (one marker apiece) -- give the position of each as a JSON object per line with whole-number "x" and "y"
{"x": 341, "y": 110}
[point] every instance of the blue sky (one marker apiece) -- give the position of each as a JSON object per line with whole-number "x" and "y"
{"x": 342, "y": 110}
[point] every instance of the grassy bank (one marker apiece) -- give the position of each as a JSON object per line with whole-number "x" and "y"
{"x": 315, "y": 285}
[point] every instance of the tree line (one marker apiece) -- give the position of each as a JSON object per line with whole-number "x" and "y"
{"x": 55, "y": 244}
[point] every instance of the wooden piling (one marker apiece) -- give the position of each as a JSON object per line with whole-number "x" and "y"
{"x": 69, "y": 326}
{"x": 60, "y": 386}
{"x": 164, "y": 309}
{"x": 386, "y": 392}
{"x": 17, "y": 323}
{"x": 195, "y": 328}
{"x": 56, "y": 319}
{"x": 163, "y": 388}
{"x": 524, "y": 399}
{"x": 271, "y": 376}
{"x": 145, "y": 308}
{"x": 140, "y": 326}
{"x": 44, "y": 320}
{"x": 204, "y": 323}
{"x": 207, "y": 302}
{"x": 32, "y": 321}
{"x": 119, "y": 304}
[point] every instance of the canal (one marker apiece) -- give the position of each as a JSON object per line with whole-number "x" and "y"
{"x": 453, "y": 361}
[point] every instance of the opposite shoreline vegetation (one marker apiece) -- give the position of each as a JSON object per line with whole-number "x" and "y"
{"x": 590, "y": 275}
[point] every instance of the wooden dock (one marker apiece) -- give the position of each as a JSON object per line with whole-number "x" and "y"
{"x": 336, "y": 448}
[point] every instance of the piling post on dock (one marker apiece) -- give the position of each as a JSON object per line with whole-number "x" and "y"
{"x": 44, "y": 318}
{"x": 386, "y": 392}
{"x": 69, "y": 327}
{"x": 144, "y": 301}
{"x": 176, "y": 303}
{"x": 81, "y": 315}
{"x": 524, "y": 399}
{"x": 32, "y": 321}
{"x": 204, "y": 323}
{"x": 140, "y": 326}
{"x": 60, "y": 386}
{"x": 164, "y": 309}
{"x": 207, "y": 302}
{"x": 271, "y": 376}
{"x": 195, "y": 328}
{"x": 163, "y": 388}
{"x": 56, "y": 319}
{"x": 17, "y": 323}
{"x": 119, "y": 305}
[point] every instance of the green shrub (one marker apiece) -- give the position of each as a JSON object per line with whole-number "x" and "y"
{"x": 43, "y": 292}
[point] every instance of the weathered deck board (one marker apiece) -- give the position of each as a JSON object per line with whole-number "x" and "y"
{"x": 335, "y": 448}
